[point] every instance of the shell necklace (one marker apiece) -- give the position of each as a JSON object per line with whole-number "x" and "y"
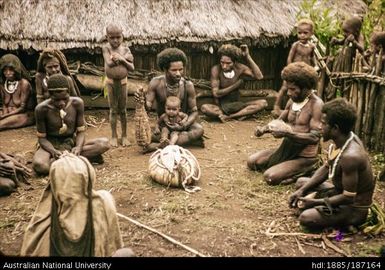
{"x": 10, "y": 87}
{"x": 297, "y": 106}
{"x": 229, "y": 75}
{"x": 332, "y": 152}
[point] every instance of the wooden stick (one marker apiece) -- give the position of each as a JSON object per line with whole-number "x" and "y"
{"x": 172, "y": 240}
{"x": 332, "y": 246}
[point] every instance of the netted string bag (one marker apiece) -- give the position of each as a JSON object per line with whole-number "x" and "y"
{"x": 176, "y": 167}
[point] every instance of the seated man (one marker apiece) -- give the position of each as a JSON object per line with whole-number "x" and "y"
{"x": 347, "y": 200}
{"x": 172, "y": 62}
{"x": 226, "y": 79}
{"x": 61, "y": 126}
{"x": 73, "y": 219}
{"x": 15, "y": 93}
{"x": 297, "y": 154}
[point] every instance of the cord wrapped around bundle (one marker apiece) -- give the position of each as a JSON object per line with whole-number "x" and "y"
{"x": 176, "y": 167}
{"x": 142, "y": 124}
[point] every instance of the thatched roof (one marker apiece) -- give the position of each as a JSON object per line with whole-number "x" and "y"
{"x": 70, "y": 24}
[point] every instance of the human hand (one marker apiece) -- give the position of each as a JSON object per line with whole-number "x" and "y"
{"x": 56, "y": 154}
{"x": 156, "y": 130}
{"x": 333, "y": 40}
{"x": 276, "y": 112}
{"x": 305, "y": 203}
{"x": 350, "y": 38}
{"x": 76, "y": 150}
{"x": 294, "y": 197}
{"x": 279, "y": 133}
{"x": 245, "y": 50}
{"x": 259, "y": 131}
{"x": 176, "y": 127}
{"x": 139, "y": 96}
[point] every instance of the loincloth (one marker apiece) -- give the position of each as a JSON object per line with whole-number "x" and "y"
{"x": 112, "y": 81}
{"x": 62, "y": 143}
{"x": 232, "y": 107}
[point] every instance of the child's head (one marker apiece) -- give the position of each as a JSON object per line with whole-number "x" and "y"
{"x": 114, "y": 35}
{"x": 305, "y": 29}
{"x": 352, "y": 26}
{"x": 172, "y": 106}
{"x": 377, "y": 41}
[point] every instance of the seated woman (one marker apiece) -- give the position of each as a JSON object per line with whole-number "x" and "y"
{"x": 50, "y": 62}
{"x": 72, "y": 218}
{"x": 16, "y": 94}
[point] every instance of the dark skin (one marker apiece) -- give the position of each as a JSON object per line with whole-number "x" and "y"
{"x": 301, "y": 51}
{"x": 351, "y": 35}
{"x": 302, "y": 123}
{"x": 353, "y": 167}
{"x": 222, "y": 86}
{"x": 118, "y": 61}
{"x": 157, "y": 91}
{"x": 48, "y": 122}
{"x": 170, "y": 123}
{"x": 15, "y": 112}
{"x": 51, "y": 67}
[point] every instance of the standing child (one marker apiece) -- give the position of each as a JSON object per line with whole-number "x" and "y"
{"x": 171, "y": 122}
{"x": 118, "y": 61}
{"x": 301, "y": 51}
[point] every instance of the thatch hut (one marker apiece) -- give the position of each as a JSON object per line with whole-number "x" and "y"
{"x": 198, "y": 27}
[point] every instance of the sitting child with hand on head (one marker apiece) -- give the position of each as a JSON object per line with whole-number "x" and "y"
{"x": 171, "y": 123}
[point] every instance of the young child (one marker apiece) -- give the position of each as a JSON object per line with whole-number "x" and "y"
{"x": 118, "y": 61}
{"x": 301, "y": 51}
{"x": 171, "y": 122}
{"x": 376, "y": 52}
{"x": 352, "y": 34}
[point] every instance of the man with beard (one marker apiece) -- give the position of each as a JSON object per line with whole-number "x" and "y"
{"x": 347, "y": 199}
{"x": 172, "y": 61}
{"x": 297, "y": 154}
{"x": 226, "y": 80}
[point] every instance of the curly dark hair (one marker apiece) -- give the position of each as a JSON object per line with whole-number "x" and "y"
{"x": 165, "y": 57}
{"x": 231, "y": 51}
{"x": 58, "y": 82}
{"x": 354, "y": 24}
{"x": 378, "y": 38}
{"x": 301, "y": 74}
{"x": 339, "y": 112}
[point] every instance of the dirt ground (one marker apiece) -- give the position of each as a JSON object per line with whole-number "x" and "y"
{"x": 230, "y": 216}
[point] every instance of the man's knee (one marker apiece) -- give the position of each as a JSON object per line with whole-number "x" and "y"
{"x": 103, "y": 144}
{"x": 308, "y": 219}
{"x": 7, "y": 186}
{"x": 204, "y": 109}
{"x": 271, "y": 178}
{"x": 40, "y": 166}
{"x": 113, "y": 111}
{"x": 251, "y": 163}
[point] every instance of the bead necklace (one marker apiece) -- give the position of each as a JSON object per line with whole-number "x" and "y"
{"x": 172, "y": 90}
{"x": 332, "y": 169}
{"x": 10, "y": 87}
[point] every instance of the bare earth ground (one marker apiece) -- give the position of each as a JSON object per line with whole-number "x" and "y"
{"x": 228, "y": 217}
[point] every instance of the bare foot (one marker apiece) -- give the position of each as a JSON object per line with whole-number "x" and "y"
{"x": 125, "y": 142}
{"x": 288, "y": 181}
{"x": 164, "y": 143}
{"x": 114, "y": 142}
{"x": 224, "y": 118}
{"x": 150, "y": 148}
